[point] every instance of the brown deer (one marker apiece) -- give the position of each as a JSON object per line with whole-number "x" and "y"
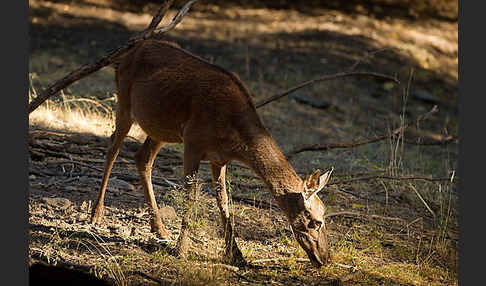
{"x": 178, "y": 97}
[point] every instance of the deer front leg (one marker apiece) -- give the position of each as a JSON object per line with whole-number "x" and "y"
{"x": 123, "y": 124}
{"x": 232, "y": 253}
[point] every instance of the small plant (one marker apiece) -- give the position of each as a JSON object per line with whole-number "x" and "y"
{"x": 285, "y": 240}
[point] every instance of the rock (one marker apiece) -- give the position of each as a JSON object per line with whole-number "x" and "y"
{"x": 71, "y": 188}
{"x": 425, "y": 96}
{"x": 168, "y": 213}
{"x": 114, "y": 183}
{"x": 322, "y": 104}
{"x": 57, "y": 203}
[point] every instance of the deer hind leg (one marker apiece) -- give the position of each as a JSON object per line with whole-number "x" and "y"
{"x": 123, "y": 125}
{"x": 232, "y": 253}
{"x": 191, "y": 166}
{"x": 144, "y": 159}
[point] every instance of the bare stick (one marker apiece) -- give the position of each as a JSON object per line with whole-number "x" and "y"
{"x": 111, "y": 56}
{"x": 443, "y": 141}
{"x": 323, "y": 78}
{"x": 366, "y": 56}
{"x": 297, "y": 259}
{"x": 80, "y": 164}
{"x": 222, "y": 265}
{"x": 346, "y": 213}
{"x": 277, "y": 259}
{"x": 353, "y": 144}
{"x": 391, "y": 178}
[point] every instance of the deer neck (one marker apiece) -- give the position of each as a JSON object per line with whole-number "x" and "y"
{"x": 272, "y": 167}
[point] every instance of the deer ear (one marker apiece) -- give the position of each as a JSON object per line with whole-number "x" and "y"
{"x": 312, "y": 181}
{"x": 325, "y": 178}
{"x": 315, "y": 183}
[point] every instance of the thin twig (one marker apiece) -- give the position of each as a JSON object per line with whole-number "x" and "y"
{"x": 80, "y": 164}
{"x": 367, "y": 198}
{"x": 364, "y": 215}
{"x": 366, "y": 56}
{"x": 353, "y": 144}
{"x": 340, "y": 182}
{"x": 352, "y": 267}
{"x": 441, "y": 142}
{"x": 222, "y": 265}
{"x": 324, "y": 78}
{"x": 276, "y": 259}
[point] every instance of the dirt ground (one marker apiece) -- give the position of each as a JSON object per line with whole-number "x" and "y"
{"x": 383, "y": 232}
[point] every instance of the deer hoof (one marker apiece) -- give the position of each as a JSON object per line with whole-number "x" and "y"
{"x": 96, "y": 215}
{"x": 159, "y": 230}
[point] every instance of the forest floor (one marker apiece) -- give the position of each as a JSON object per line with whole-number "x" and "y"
{"x": 392, "y": 205}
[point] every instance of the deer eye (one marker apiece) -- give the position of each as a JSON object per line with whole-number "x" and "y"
{"x": 315, "y": 224}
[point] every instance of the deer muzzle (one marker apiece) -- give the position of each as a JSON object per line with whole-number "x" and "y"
{"x": 315, "y": 245}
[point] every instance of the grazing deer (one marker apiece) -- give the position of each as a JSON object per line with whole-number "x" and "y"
{"x": 177, "y": 97}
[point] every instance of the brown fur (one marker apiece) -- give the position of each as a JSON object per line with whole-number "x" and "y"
{"x": 178, "y": 97}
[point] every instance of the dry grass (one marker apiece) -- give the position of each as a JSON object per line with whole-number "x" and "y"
{"x": 85, "y": 115}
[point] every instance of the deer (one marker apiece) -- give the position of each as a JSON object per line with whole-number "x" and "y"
{"x": 178, "y": 97}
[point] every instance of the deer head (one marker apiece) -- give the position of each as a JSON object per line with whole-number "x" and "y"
{"x": 306, "y": 215}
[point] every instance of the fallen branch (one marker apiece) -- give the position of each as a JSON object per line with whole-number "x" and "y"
{"x": 79, "y": 164}
{"x": 352, "y": 267}
{"x": 367, "y": 198}
{"x": 368, "y": 219}
{"x": 340, "y": 182}
{"x": 222, "y": 265}
{"x": 444, "y": 141}
{"x": 277, "y": 259}
{"x": 394, "y": 133}
{"x": 364, "y": 215}
{"x": 111, "y": 56}
{"x": 256, "y": 203}
{"x": 296, "y": 259}
{"x": 324, "y": 78}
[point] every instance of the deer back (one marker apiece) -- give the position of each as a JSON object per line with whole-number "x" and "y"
{"x": 175, "y": 96}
